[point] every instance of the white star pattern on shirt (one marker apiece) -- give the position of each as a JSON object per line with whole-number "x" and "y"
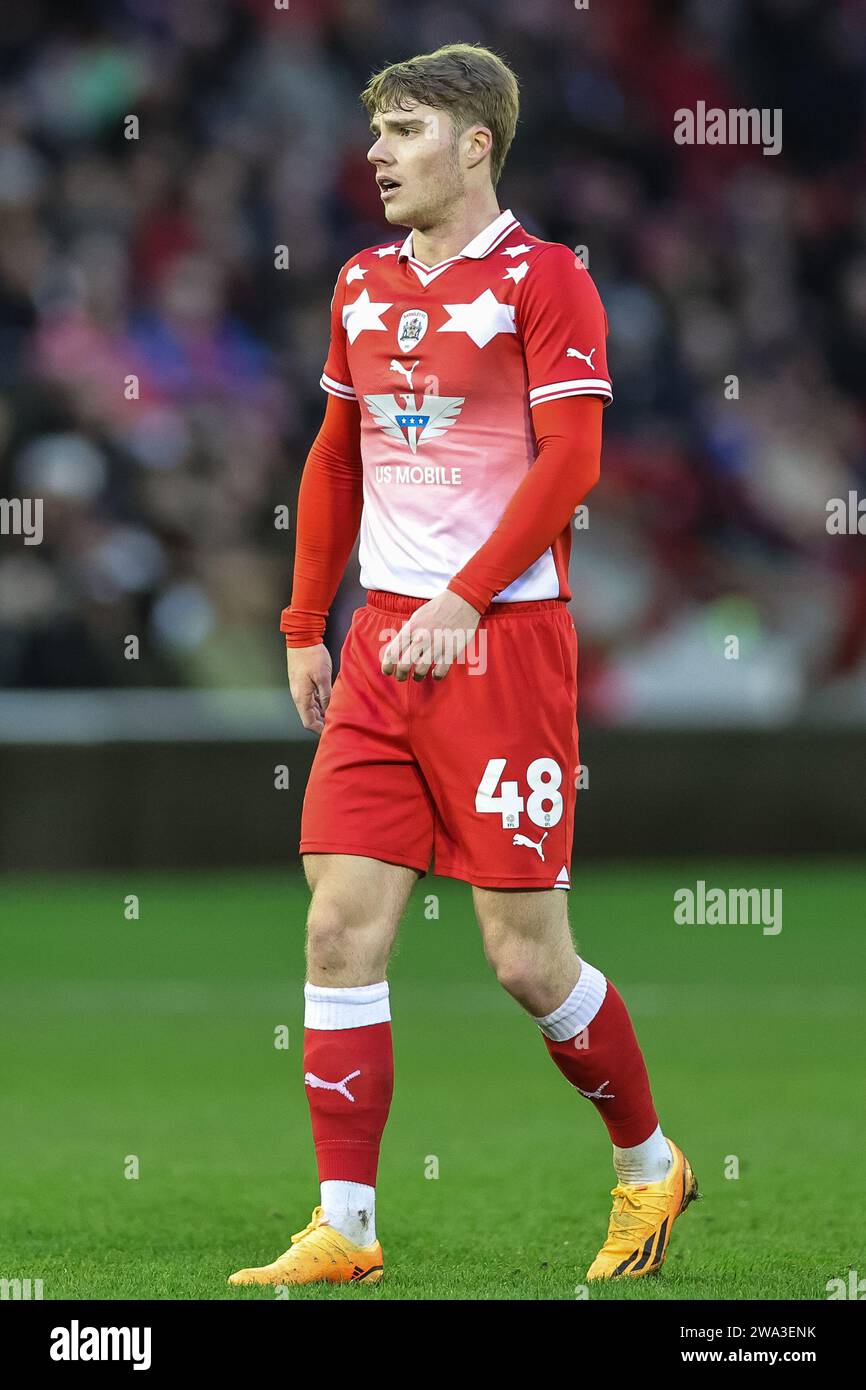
{"x": 363, "y": 314}
{"x": 516, "y": 250}
{"x": 386, "y": 251}
{"x": 516, "y": 272}
{"x": 356, "y": 273}
{"x": 482, "y": 319}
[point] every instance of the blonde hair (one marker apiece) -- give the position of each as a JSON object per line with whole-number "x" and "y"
{"x": 470, "y": 82}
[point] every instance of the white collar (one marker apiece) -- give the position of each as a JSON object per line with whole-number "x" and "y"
{"x": 480, "y": 245}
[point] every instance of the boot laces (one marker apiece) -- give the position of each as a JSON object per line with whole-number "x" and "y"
{"x": 318, "y": 1219}
{"x": 633, "y": 1209}
{"x": 321, "y": 1228}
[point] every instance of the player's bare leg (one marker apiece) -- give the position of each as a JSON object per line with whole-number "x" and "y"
{"x": 355, "y": 910}
{"x": 589, "y": 1035}
{"x": 527, "y": 941}
{"x": 353, "y": 917}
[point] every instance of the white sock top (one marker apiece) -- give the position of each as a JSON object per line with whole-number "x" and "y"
{"x": 356, "y": 1006}
{"x": 579, "y": 1009}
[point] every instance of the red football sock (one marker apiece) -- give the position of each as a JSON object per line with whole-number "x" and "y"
{"x": 349, "y": 1079}
{"x": 603, "y": 1061}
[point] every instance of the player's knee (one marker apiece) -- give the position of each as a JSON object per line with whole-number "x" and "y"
{"x": 515, "y": 966}
{"x": 329, "y": 930}
{"x": 340, "y": 934}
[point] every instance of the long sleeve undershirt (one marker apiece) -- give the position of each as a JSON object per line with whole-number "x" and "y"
{"x": 566, "y": 467}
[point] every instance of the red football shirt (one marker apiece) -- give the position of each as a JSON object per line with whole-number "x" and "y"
{"x": 447, "y": 363}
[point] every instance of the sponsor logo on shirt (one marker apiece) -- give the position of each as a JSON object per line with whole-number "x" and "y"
{"x": 412, "y": 421}
{"x": 427, "y": 473}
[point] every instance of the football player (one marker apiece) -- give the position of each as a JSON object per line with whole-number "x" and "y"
{"x": 465, "y": 384}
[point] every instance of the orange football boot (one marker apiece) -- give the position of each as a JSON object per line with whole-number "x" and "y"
{"x": 641, "y": 1222}
{"x": 318, "y": 1254}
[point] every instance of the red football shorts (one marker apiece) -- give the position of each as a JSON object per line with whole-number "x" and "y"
{"x": 479, "y": 769}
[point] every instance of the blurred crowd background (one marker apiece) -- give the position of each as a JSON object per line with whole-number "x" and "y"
{"x": 155, "y": 256}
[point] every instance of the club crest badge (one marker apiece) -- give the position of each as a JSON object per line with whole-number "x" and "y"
{"x": 411, "y": 329}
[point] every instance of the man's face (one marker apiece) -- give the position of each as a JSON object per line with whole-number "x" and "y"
{"x": 417, "y": 165}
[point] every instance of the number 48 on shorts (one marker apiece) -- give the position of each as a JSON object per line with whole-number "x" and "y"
{"x": 544, "y": 805}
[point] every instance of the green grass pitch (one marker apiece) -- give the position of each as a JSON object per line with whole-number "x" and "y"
{"x": 155, "y": 1038}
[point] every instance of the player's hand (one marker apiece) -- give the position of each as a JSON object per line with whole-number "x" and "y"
{"x": 433, "y": 638}
{"x": 310, "y": 683}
